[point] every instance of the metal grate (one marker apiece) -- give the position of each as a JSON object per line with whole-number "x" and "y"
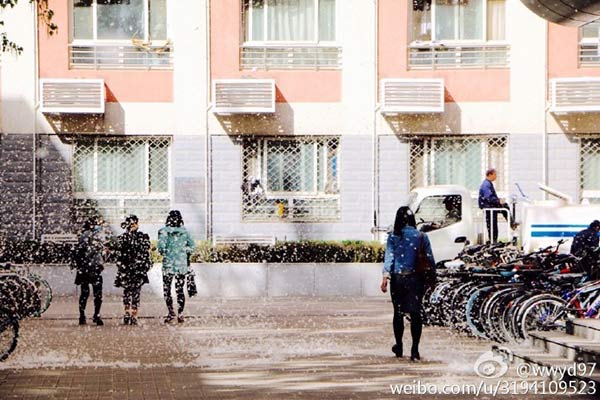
{"x": 589, "y": 175}
{"x": 126, "y": 56}
{"x": 290, "y": 57}
{"x": 460, "y": 56}
{"x": 460, "y": 160}
{"x": 293, "y": 179}
{"x": 115, "y": 177}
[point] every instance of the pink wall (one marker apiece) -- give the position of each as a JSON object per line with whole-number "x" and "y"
{"x": 122, "y": 86}
{"x": 473, "y": 85}
{"x": 292, "y": 86}
{"x": 563, "y": 57}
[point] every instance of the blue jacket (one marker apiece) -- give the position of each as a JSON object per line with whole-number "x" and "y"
{"x": 487, "y": 195}
{"x": 401, "y": 253}
{"x": 174, "y": 243}
{"x": 585, "y": 240}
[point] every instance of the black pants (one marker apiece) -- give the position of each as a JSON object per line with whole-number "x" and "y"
{"x": 407, "y": 294}
{"x": 491, "y": 222}
{"x": 179, "y": 284}
{"x": 96, "y": 284}
{"x": 131, "y": 296}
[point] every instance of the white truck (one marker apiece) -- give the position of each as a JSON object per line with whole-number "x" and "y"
{"x": 450, "y": 217}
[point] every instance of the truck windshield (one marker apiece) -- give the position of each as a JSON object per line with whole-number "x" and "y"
{"x": 435, "y": 212}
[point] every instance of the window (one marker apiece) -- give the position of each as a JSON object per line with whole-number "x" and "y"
{"x": 458, "y": 34}
{"x": 290, "y": 34}
{"x": 459, "y": 20}
{"x": 119, "y": 20}
{"x": 590, "y": 169}
{"x": 589, "y": 44}
{"x": 457, "y": 160}
{"x": 289, "y": 21}
{"x": 291, "y": 179}
{"x": 118, "y": 176}
{"x": 436, "y": 212}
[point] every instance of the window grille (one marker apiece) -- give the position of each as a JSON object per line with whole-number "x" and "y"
{"x": 460, "y": 160}
{"x": 590, "y": 169}
{"x": 290, "y": 179}
{"x": 115, "y": 177}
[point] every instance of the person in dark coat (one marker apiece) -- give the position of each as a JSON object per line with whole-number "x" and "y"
{"x": 406, "y": 286}
{"x": 489, "y": 199}
{"x": 89, "y": 263}
{"x": 586, "y": 240}
{"x": 175, "y": 244}
{"x": 133, "y": 263}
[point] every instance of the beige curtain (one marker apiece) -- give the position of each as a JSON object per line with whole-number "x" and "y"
{"x": 496, "y": 19}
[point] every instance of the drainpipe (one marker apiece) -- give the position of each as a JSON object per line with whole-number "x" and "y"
{"x": 375, "y": 138}
{"x": 36, "y": 101}
{"x": 545, "y": 127}
{"x": 208, "y": 164}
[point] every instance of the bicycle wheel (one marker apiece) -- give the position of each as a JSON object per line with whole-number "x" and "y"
{"x": 542, "y": 315}
{"x": 44, "y": 292}
{"x": 9, "y": 333}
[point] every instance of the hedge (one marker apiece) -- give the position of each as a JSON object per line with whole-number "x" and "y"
{"x": 305, "y": 251}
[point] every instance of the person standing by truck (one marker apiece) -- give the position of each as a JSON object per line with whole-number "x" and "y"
{"x": 406, "y": 285}
{"x": 489, "y": 199}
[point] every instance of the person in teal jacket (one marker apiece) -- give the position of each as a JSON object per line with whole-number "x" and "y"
{"x": 175, "y": 244}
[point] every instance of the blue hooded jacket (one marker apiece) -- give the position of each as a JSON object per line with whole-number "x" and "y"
{"x": 401, "y": 253}
{"x": 174, "y": 243}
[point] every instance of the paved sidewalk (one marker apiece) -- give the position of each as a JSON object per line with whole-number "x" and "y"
{"x": 302, "y": 348}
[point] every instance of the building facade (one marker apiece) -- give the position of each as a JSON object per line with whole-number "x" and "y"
{"x": 301, "y": 119}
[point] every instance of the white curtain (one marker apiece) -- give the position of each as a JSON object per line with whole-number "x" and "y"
{"x": 84, "y": 167}
{"x": 326, "y": 20}
{"x": 291, "y": 20}
{"x": 496, "y": 19}
{"x": 121, "y": 167}
{"x": 459, "y": 20}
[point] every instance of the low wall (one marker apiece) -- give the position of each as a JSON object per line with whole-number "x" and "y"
{"x": 246, "y": 279}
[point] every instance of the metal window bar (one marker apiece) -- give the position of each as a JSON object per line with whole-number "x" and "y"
{"x": 423, "y": 157}
{"x": 291, "y": 57}
{"x": 458, "y": 56}
{"x": 589, "y": 53}
{"x": 589, "y": 172}
{"x": 149, "y": 205}
{"x": 283, "y": 179}
{"x": 117, "y": 56}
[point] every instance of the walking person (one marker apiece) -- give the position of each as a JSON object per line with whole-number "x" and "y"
{"x": 133, "y": 264}
{"x": 489, "y": 199}
{"x": 175, "y": 244}
{"x": 89, "y": 263}
{"x": 406, "y": 286}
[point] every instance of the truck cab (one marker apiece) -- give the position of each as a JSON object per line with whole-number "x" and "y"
{"x": 445, "y": 213}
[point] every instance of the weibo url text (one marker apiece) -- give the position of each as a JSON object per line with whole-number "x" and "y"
{"x": 502, "y": 387}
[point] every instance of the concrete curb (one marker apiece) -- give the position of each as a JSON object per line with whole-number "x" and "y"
{"x": 231, "y": 280}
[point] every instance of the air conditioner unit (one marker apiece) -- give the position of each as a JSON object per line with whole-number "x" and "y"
{"x": 412, "y": 96}
{"x": 79, "y": 96}
{"x": 243, "y": 96}
{"x": 574, "y": 94}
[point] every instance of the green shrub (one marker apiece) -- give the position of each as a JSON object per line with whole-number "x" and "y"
{"x": 305, "y": 251}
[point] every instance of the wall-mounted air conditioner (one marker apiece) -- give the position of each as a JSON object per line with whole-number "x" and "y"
{"x": 243, "y": 96}
{"x": 81, "y": 96}
{"x": 412, "y": 96}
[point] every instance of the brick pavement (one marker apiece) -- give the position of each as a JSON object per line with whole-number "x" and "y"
{"x": 302, "y": 348}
